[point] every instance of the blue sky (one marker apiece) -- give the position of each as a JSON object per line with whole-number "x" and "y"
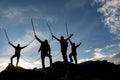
{"x": 95, "y": 23}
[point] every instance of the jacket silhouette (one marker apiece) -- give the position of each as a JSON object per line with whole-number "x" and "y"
{"x": 17, "y": 52}
{"x": 73, "y": 51}
{"x": 64, "y": 45}
{"x": 45, "y": 51}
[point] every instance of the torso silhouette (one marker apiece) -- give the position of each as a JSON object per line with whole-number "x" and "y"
{"x": 44, "y": 47}
{"x": 17, "y": 50}
{"x": 74, "y": 48}
{"x": 64, "y": 44}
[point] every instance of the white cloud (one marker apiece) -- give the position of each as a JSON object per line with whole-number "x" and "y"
{"x": 87, "y": 51}
{"x": 98, "y": 50}
{"x": 115, "y": 58}
{"x": 110, "y": 46}
{"x": 3, "y": 63}
{"x": 100, "y": 54}
{"x": 111, "y": 12}
{"x": 83, "y": 60}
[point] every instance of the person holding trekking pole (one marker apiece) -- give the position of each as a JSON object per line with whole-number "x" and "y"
{"x": 64, "y": 45}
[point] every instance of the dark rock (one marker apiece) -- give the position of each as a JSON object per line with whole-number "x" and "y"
{"x": 90, "y": 70}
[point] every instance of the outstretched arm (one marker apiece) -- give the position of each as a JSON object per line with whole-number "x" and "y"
{"x": 79, "y": 44}
{"x": 12, "y": 44}
{"x": 55, "y": 37}
{"x": 23, "y": 47}
{"x": 38, "y": 39}
{"x": 69, "y": 37}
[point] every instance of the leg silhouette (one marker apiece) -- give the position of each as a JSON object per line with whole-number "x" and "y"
{"x": 43, "y": 64}
{"x": 17, "y": 61}
{"x": 11, "y": 59}
{"x": 50, "y": 60}
{"x": 64, "y": 56}
{"x": 75, "y": 58}
{"x": 70, "y": 56}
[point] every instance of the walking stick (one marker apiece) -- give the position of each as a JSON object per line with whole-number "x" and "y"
{"x": 33, "y": 27}
{"x": 50, "y": 30}
{"x": 30, "y": 42}
{"x": 67, "y": 30}
{"x": 6, "y": 35}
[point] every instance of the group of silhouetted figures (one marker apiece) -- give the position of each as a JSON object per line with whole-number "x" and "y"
{"x": 45, "y": 50}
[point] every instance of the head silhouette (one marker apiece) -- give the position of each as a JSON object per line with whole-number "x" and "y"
{"x": 18, "y": 45}
{"x": 73, "y": 44}
{"x": 46, "y": 41}
{"x": 62, "y": 37}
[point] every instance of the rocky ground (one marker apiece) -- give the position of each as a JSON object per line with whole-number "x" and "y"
{"x": 90, "y": 70}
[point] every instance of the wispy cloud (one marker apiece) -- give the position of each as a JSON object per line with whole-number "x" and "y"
{"x": 87, "y": 50}
{"x": 100, "y": 54}
{"x": 11, "y": 12}
{"x": 73, "y": 4}
{"x": 102, "y": 1}
{"x": 20, "y": 14}
{"x": 111, "y": 12}
{"x": 110, "y": 46}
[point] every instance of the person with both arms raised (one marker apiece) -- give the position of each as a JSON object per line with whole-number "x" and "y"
{"x": 45, "y": 51}
{"x": 18, "y": 49}
{"x": 64, "y": 45}
{"x": 73, "y": 51}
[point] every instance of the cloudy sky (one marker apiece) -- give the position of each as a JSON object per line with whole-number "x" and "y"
{"x": 95, "y": 23}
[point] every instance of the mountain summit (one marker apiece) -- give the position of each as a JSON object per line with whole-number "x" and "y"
{"x": 90, "y": 70}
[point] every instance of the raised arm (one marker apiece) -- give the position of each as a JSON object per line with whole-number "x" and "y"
{"x": 79, "y": 44}
{"x": 12, "y": 45}
{"x": 69, "y": 37}
{"x": 39, "y": 50}
{"x": 70, "y": 42}
{"x": 55, "y": 37}
{"x": 38, "y": 39}
{"x": 23, "y": 47}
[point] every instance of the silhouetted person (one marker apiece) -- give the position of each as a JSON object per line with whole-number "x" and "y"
{"x": 73, "y": 51}
{"x": 45, "y": 51}
{"x": 17, "y": 52}
{"x": 64, "y": 45}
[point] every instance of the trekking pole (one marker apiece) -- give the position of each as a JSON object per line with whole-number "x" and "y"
{"x": 6, "y": 35}
{"x": 30, "y": 42}
{"x": 33, "y": 26}
{"x": 50, "y": 30}
{"x": 67, "y": 30}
